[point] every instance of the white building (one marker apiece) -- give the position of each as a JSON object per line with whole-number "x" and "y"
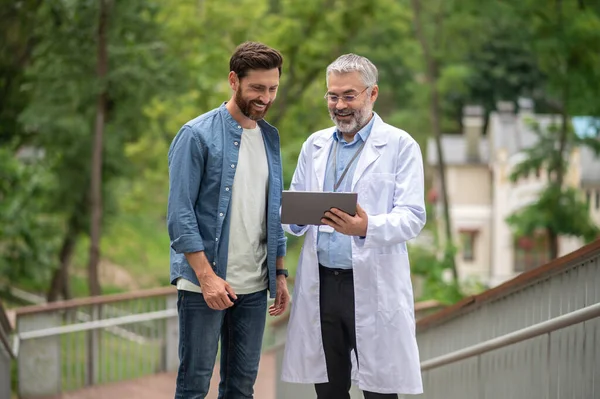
{"x": 482, "y": 196}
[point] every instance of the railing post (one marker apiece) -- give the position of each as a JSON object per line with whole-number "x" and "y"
{"x": 38, "y": 360}
{"x": 93, "y": 349}
{"x": 6, "y": 355}
{"x": 170, "y": 353}
{"x": 4, "y": 373}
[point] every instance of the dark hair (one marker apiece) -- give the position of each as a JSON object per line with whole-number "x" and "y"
{"x": 253, "y": 55}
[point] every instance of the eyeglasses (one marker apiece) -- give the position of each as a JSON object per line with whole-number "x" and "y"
{"x": 347, "y": 98}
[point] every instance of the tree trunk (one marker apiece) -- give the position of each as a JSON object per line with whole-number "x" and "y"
{"x": 96, "y": 177}
{"x": 60, "y": 278}
{"x": 561, "y": 164}
{"x": 552, "y": 243}
{"x": 435, "y": 115}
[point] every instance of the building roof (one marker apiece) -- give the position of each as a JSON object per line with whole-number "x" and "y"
{"x": 512, "y": 133}
{"x": 455, "y": 150}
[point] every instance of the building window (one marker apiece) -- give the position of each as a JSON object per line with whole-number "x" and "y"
{"x": 467, "y": 241}
{"x": 588, "y": 197}
{"x": 597, "y": 199}
{"x": 531, "y": 252}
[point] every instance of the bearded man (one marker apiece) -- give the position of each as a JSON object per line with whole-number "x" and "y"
{"x": 352, "y": 312}
{"x": 227, "y": 244}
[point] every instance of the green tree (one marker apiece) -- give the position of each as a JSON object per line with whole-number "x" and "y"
{"x": 64, "y": 87}
{"x": 560, "y": 209}
{"x": 561, "y": 36}
{"x": 17, "y": 19}
{"x": 501, "y": 62}
{"x": 430, "y": 26}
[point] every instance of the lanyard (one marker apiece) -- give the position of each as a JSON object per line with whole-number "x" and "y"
{"x": 356, "y": 154}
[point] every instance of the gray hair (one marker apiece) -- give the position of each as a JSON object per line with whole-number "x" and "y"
{"x": 351, "y": 62}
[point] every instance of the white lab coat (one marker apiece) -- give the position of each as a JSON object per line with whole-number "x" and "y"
{"x": 389, "y": 183}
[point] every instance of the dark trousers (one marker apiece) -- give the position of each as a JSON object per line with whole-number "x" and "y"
{"x": 339, "y": 335}
{"x": 240, "y": 329}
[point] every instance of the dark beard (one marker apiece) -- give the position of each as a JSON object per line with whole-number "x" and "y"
{"x": 246, "y": 107}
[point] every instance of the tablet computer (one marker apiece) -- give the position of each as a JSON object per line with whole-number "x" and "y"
{"x": 308, "y": 207}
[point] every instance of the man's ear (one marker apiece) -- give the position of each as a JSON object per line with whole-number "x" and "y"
{"x": 374, "y": 93}
{"x": 234, "y": 82}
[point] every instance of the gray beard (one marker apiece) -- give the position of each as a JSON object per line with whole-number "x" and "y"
{"x": 358, "y": 120}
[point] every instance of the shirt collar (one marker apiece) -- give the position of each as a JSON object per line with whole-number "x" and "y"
{"x": 362, "y": 134}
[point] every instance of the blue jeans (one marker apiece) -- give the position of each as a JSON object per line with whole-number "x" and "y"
{"x": 241, "y": 330}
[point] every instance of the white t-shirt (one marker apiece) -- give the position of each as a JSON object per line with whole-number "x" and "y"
{"x": 247, "y": 252}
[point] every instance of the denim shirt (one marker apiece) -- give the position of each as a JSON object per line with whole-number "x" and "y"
{"x": 202, "y": 161}
{"x": 335, "y": 249}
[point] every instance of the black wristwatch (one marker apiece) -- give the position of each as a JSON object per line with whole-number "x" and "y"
{"x": 279, "y": 272}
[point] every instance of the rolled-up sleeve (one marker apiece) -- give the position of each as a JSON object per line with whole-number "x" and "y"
{"x": 186, "y": 166}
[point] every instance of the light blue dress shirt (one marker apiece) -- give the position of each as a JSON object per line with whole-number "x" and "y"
{"x": 335, "y": 249}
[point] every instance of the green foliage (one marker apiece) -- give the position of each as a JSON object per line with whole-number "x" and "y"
{"x": 501, "y": 62}
{"x": 17, "y": 19}
{"x": 560, "y": 37}
{"x": 63, "y": 88}
{"x": 559, "y": 208}
{"x": 434, "y": 273}
{"x": 168, "y": 62}
{"x": 27, "y": 234}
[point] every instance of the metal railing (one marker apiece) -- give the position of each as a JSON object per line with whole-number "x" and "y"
{"x": 547, "y": 327}
{"x": 536, "y": 336}
{"x": 68, "y": 345}
{"x": 64, "y": 346}
{"x": 6, "y": 355}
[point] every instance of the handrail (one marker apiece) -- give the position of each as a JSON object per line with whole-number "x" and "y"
{"x": 569, "y": 319}
{"x": 98, "y": 324}
{"x": 522, "y": 280}
{"x": 95, "y": 300}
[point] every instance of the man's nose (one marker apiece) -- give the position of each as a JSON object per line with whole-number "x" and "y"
{"x": 340, "y": 104}
{"x": 264, "y": 98}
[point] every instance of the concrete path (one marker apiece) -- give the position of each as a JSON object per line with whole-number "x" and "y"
{"x": 162, "y": 386}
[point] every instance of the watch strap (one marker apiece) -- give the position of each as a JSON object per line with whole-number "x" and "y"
{"x": 279, "y": 272}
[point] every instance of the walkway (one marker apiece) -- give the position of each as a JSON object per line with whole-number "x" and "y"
{"x": 162, "y": 386}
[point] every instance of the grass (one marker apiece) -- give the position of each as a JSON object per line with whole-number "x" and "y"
{"x": 139, "y": 244}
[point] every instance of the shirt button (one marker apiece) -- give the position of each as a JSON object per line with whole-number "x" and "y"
{"x": 217, "y": 239}
{"x": 226, "y": 188}
{"x": 239, "y": 127}
{"x": 235, "y": 143}
{"x": 232, "y": 166}
{"x": 221, "y": 214}
{"x": 214, "y": 263}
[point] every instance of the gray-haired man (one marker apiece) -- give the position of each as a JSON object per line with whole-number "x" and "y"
{"x": 353, "y": 290}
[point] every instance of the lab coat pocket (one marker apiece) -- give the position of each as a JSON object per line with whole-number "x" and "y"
{"x": 376, "y": 193}
{"x": 394, "y": 289}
